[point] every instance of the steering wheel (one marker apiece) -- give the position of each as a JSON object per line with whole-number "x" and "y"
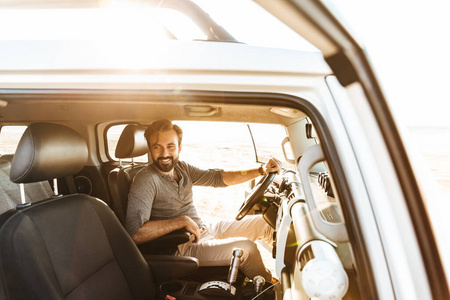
{"x": 255, "y": 195}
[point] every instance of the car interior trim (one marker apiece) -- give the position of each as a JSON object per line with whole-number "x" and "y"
{"x": 258, "y": 99}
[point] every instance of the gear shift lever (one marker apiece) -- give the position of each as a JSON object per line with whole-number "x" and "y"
{"x": 234, "y": 266}
{"x": 258, "y": 283}
{"x": 221, "y": 288}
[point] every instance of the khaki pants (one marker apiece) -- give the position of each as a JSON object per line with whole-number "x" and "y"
{"x": 218, "y": 240}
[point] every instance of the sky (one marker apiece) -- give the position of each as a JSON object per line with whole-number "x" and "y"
{"x": 408, "y": 43}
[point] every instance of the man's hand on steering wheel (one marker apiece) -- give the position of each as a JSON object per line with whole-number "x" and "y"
{"x": 270, "y": 169}
{"x": 273, "y": 165}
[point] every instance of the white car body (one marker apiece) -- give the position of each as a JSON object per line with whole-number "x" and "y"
{"x": 358, "y": 147}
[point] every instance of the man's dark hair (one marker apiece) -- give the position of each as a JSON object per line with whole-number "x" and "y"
{"x": 160, "y": 126}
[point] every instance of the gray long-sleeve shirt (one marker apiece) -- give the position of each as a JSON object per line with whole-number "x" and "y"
{"x": 154, "y": 196}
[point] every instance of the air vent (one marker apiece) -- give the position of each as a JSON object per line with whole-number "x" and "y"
{"x": 325, "y": 183}
{"x": 306, "y": 255}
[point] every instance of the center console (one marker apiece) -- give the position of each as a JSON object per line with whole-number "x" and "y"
{"x": 190, "y": 290}
{"x": 232, "y": 288}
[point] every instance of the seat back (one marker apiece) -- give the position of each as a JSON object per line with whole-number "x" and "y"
{"x": 131, "y": 144}
{"x": 70, "y": 247}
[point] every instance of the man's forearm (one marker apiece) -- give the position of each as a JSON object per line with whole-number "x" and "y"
{"x": 156, "y": 228}
{"x": 236, "y": 177}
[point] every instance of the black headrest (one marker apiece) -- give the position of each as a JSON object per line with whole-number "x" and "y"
{"x": 132, "y": 142}
{"x": 48, "y": 151}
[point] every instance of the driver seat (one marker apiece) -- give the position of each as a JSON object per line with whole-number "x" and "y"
{"x": 66, "y": 247}
{"x": 131, "y": 144}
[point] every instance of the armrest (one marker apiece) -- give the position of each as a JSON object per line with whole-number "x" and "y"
{"x": 165, "y": 267}
{"x": 166, "y": 244}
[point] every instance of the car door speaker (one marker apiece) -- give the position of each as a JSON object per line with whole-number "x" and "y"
{"x": 83, "y": 184}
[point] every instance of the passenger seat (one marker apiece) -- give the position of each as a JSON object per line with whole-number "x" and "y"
{"x": 68, "y": 247}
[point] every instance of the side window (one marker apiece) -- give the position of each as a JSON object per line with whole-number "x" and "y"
{"x": 9, "y": 138}
{"x": 226, "y": 146}
{"x": 221, "y": 145}
{"x": 112, "y": 136}
{"x": 268, "y": 140}
{"x": 217, "y": 145}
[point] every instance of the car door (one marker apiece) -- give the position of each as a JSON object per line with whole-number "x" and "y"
{"x": 393, "y": 213}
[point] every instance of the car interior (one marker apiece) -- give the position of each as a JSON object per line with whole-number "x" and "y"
{"x": 64, "y": 201}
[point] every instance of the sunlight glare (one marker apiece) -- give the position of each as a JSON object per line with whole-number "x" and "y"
{"x": 80, "y": 24}
{"x": 126, "y": 34}
{"x": 118, "y": 23}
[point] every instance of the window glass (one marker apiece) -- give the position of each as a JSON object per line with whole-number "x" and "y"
{"x": 227, "y": 146}
{"x": 220, "y": 145}
{"x": 9, "y": 138}
{"x": 210, "y": 145}
{"x": 217, "y": 145}
{"x": 268, "y": 139}
{"x": 112, "y": 137}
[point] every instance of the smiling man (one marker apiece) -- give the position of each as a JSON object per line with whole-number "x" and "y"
{"x": 161, "y": 201}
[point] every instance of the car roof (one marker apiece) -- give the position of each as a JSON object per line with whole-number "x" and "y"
{"x": 150, "y": 55}
{"x": 85, "y": 71}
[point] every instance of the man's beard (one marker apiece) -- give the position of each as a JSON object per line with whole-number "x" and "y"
{"x": 166, "y": 167}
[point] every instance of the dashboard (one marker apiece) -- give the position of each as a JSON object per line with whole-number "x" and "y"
{"x": 309, "y": 263}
